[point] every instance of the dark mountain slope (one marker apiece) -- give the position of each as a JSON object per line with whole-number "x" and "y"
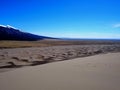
{"x": 10, "y": 33}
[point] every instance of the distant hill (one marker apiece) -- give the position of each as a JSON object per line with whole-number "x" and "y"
{"x": 11, "y": 33}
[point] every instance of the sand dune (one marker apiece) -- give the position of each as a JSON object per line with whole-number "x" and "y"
{"x": 20, "y": 57}
{"x": 100, "y": 72}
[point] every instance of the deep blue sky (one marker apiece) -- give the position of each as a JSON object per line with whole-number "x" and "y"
{"x": 63, "y": 18}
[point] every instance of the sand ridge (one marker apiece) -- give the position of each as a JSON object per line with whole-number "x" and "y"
{"x": 19, "y": 57}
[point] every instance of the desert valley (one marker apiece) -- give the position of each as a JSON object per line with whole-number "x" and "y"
{"x": 31, "y": 63}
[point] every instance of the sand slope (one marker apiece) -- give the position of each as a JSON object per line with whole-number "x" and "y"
{"x": 100, "y": 72}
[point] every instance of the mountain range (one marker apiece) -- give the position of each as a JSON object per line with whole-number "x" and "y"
{"x": 11, "y": 33}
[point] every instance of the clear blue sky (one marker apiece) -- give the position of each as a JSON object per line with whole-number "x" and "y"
{"x": 63, "y": 18}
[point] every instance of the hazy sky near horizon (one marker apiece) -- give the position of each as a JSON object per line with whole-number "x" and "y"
{"x": 63, "y": 18}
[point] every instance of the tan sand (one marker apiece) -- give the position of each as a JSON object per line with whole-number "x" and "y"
{"x": 100, "y": 72}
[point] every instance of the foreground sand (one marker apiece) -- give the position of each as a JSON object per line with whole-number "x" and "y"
{"x": 99, "y": 72}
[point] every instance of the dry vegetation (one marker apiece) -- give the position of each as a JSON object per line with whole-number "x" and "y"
{"x": 45, "y": 43}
